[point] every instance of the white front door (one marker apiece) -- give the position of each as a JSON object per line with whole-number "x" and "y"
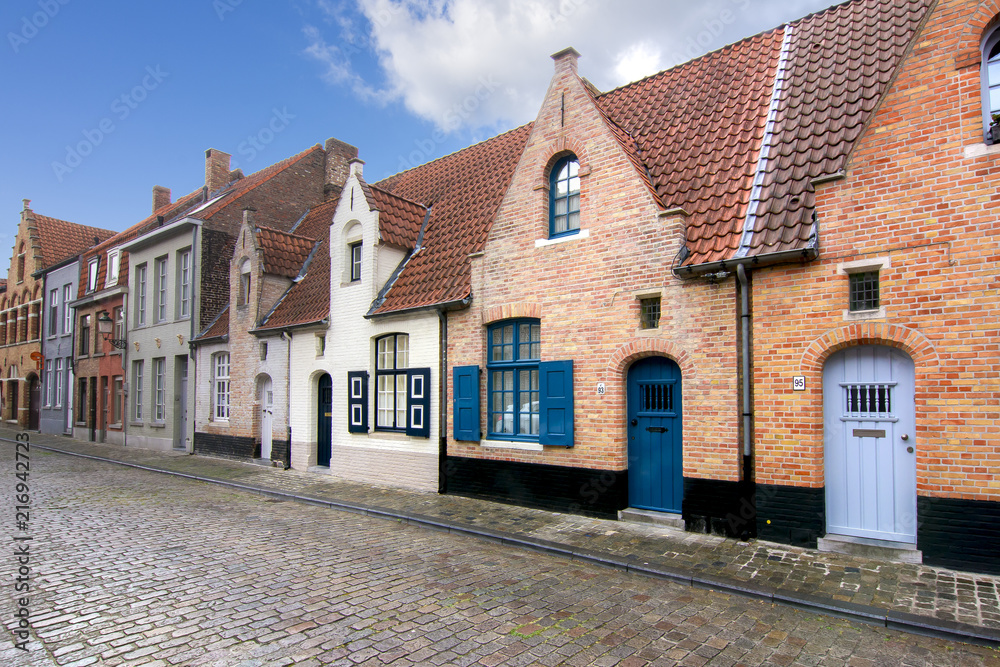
{"x": 869, "y": 420}
{"x": 266, "y": 418}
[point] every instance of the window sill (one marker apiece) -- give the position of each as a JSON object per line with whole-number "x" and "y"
{"x": 137, "y": 424}
{"x": 351, "y": 283}
{"x": 157, "y": 425}
{"x": 860, "y": 315}
{"x": 979, "y": 150}
{"x": 582, "y": 234}
{"x": 652, "y": 331}
{"x": 492, "y": 443}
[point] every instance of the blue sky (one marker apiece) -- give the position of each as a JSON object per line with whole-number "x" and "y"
{"x": 104, "y": 100}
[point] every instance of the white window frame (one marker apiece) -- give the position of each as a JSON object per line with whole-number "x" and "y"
{"x": 117, "y": 392}
{"x": 137, "y": 379}
{"x": 140, "y": 295}
{"x": 59, "y": 382}
{"x": 220, "y": 387}
{"x": 161, "y": 289}
{"x": 67, "y": 311}
{"x": 184, "y": 287}
{"x": 48, "y": 383}
{"x": 92, "y": 270}
{"x": 53, "y": 328}
{"x": 114, "y": 259}
{"x": 159, "y": 389}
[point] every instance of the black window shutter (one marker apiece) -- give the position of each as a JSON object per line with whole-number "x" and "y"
{"x": 465, "y": 409}
{"x": 418, "y": 402}
{"x": 357, "y": 401}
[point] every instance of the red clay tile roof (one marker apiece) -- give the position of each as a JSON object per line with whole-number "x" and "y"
{"x": 308, "y": 300}
{"x": 168, "y": 211}
{"x": 240, "y": 187}
{"x": 463, "y": 191}
{"x": 284, "y": 253}
{"x": 399, "y": 219}
{"x": 699, "y": 126}
{"x": 218, "y": 328}
{"x": 61, "y": 240}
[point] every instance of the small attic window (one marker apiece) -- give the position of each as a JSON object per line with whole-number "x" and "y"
{"x": 113, "y": 262}
{"x": 564, "y": 197}
{"x": 20, "y": 264}
{"x": 92, "y": 274}
{"x": 355, "y": 259}
{"x": 244, "y": 297}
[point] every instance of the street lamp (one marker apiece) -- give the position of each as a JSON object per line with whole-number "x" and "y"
{"x": 105, "y": 325}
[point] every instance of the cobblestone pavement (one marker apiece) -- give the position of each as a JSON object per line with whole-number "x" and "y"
{"x": 138, "y": 568}
{"x": 937, "y": 594}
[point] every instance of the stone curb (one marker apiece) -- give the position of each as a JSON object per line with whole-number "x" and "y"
{"x": 906, "y": 622}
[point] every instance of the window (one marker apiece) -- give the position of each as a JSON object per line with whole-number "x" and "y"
{"x": 48, "y": 382}
{"x": 391, "y": 360}
{"x": 159, "y": 405}
{"x": 564, "y": 197}
{"x": 53, "y": 312}
{"x": 512, "y": 367}
{"x": 84, "y": 335}
{"x": 263, "y": 351}
{"x": 220, "y": 377}
{"x": 119, "y": 317}
{"x": 92, "y": 273}
{"x": 649, "y": 312}
{"x": 20, "y": 264}
{"x": 67, "y": 312}
{"x": 991, "y": 82}
{"x": 244, "y": 297}
{"x": 864, "y": 291}
{"x": 161, "y": 289}
{"x": 59, "y": 383}
{"x": 137, "y": 372}
{"x": 113, "y": 262}
{"x": 140, "y": 295}
{"x": 320, "y": 345}
{"x": 116, "y": 400}
{"x": 184, "y": 289}
{"x": 355, "y": 256}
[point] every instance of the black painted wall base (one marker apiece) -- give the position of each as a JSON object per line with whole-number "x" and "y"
{"x": 229, "y": 446}
{"x": 790, "y": 514}
{"x": 959, "y": 534}
{"x": 716, "y": 506}
{"x": 280, "y": 452}
{"x": 598, "y": 493}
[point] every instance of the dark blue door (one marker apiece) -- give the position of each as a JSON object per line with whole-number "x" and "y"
{"x": 655, "y": 457}
{"x": 324, "y": 421}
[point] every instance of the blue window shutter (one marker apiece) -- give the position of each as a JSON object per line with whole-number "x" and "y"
{"x": 418, "y": 402}
{"x": 465, "y": 412}
{"x": 357, "y": 402}
{"x": 555, "y": 382}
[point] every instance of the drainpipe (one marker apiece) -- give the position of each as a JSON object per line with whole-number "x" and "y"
{"x": 442, "y": 414}
{"x": 287, "y": 337}
{"x": 748, "y": 485}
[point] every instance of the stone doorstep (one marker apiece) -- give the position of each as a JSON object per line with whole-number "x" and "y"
{"x": 649, "y": 517}
{"x": 266, "y": 463}
{"x": 894, "y": 552}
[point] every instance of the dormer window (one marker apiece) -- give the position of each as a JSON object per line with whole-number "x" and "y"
{"x": 113, "y": 260}
{"x": 355, "y": 258}
{"x": 564, "y": 197}
{"x": 991, "y": 84}
{"x": 92, "y": 274}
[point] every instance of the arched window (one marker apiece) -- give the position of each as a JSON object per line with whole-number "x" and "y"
{"x": 564, "y": 197}
{"x": 991, "y": 84}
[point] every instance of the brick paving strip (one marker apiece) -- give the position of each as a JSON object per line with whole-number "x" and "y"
{"x": 914, "y": 598}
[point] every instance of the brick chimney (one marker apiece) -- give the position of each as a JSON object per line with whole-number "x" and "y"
{"x": 161, "y": 197}
{"x": 566, "y": 59}
{"x": 338, "y": 159}
{"x": 216, "y": 169}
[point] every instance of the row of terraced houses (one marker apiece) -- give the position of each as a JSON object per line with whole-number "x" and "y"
{"x": 755, "y": 294}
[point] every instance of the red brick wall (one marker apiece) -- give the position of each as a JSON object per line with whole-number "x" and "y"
{"x": 917, "y": 193}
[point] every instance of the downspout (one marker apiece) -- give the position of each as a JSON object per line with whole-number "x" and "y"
{"x": 747, "y": 491}
{"x": 442, "y": 409}
{"x": 287, "y": 335}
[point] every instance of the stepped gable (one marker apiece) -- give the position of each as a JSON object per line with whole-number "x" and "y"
{"x": 168, "y": 211}
{"x": 399, "y": 219}
{"x": 841, "y": 61}
{"x": 463, "y": 191}
{"x": 284, "y": 253}
{"x": 308, "y": 300}
{"x": 698, "y": 128}
{"x": 60, "y": 240}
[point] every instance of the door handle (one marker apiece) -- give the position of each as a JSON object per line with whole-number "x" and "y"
{"x": 904, "y": 437}
{"x": 635, "y": 422}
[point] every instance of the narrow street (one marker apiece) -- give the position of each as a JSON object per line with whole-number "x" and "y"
{"x": 135, "y": 568}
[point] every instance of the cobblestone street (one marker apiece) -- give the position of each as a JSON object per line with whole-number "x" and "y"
{"x": 133, "y": 568}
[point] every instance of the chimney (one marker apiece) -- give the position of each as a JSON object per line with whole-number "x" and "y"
{"x": 161, "y": 197}
{"x": 338, "y": 158}
{"x": 216, "y": 169}
{"x": 566, "y": 60}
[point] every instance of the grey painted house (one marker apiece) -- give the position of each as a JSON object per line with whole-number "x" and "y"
{"x": 56, "y": 414}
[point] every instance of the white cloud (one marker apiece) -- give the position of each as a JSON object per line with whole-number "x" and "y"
{"x": 484, "y": 63}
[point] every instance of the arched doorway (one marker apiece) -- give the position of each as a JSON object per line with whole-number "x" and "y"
{"x": 869, "y": 444}
{"x": 266, "y": 417}
{"x": 324, "y": 420}
{"x": 655, "y": 440}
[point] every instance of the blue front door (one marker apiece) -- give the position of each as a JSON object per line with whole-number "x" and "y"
{"x": 655, "y": 456}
